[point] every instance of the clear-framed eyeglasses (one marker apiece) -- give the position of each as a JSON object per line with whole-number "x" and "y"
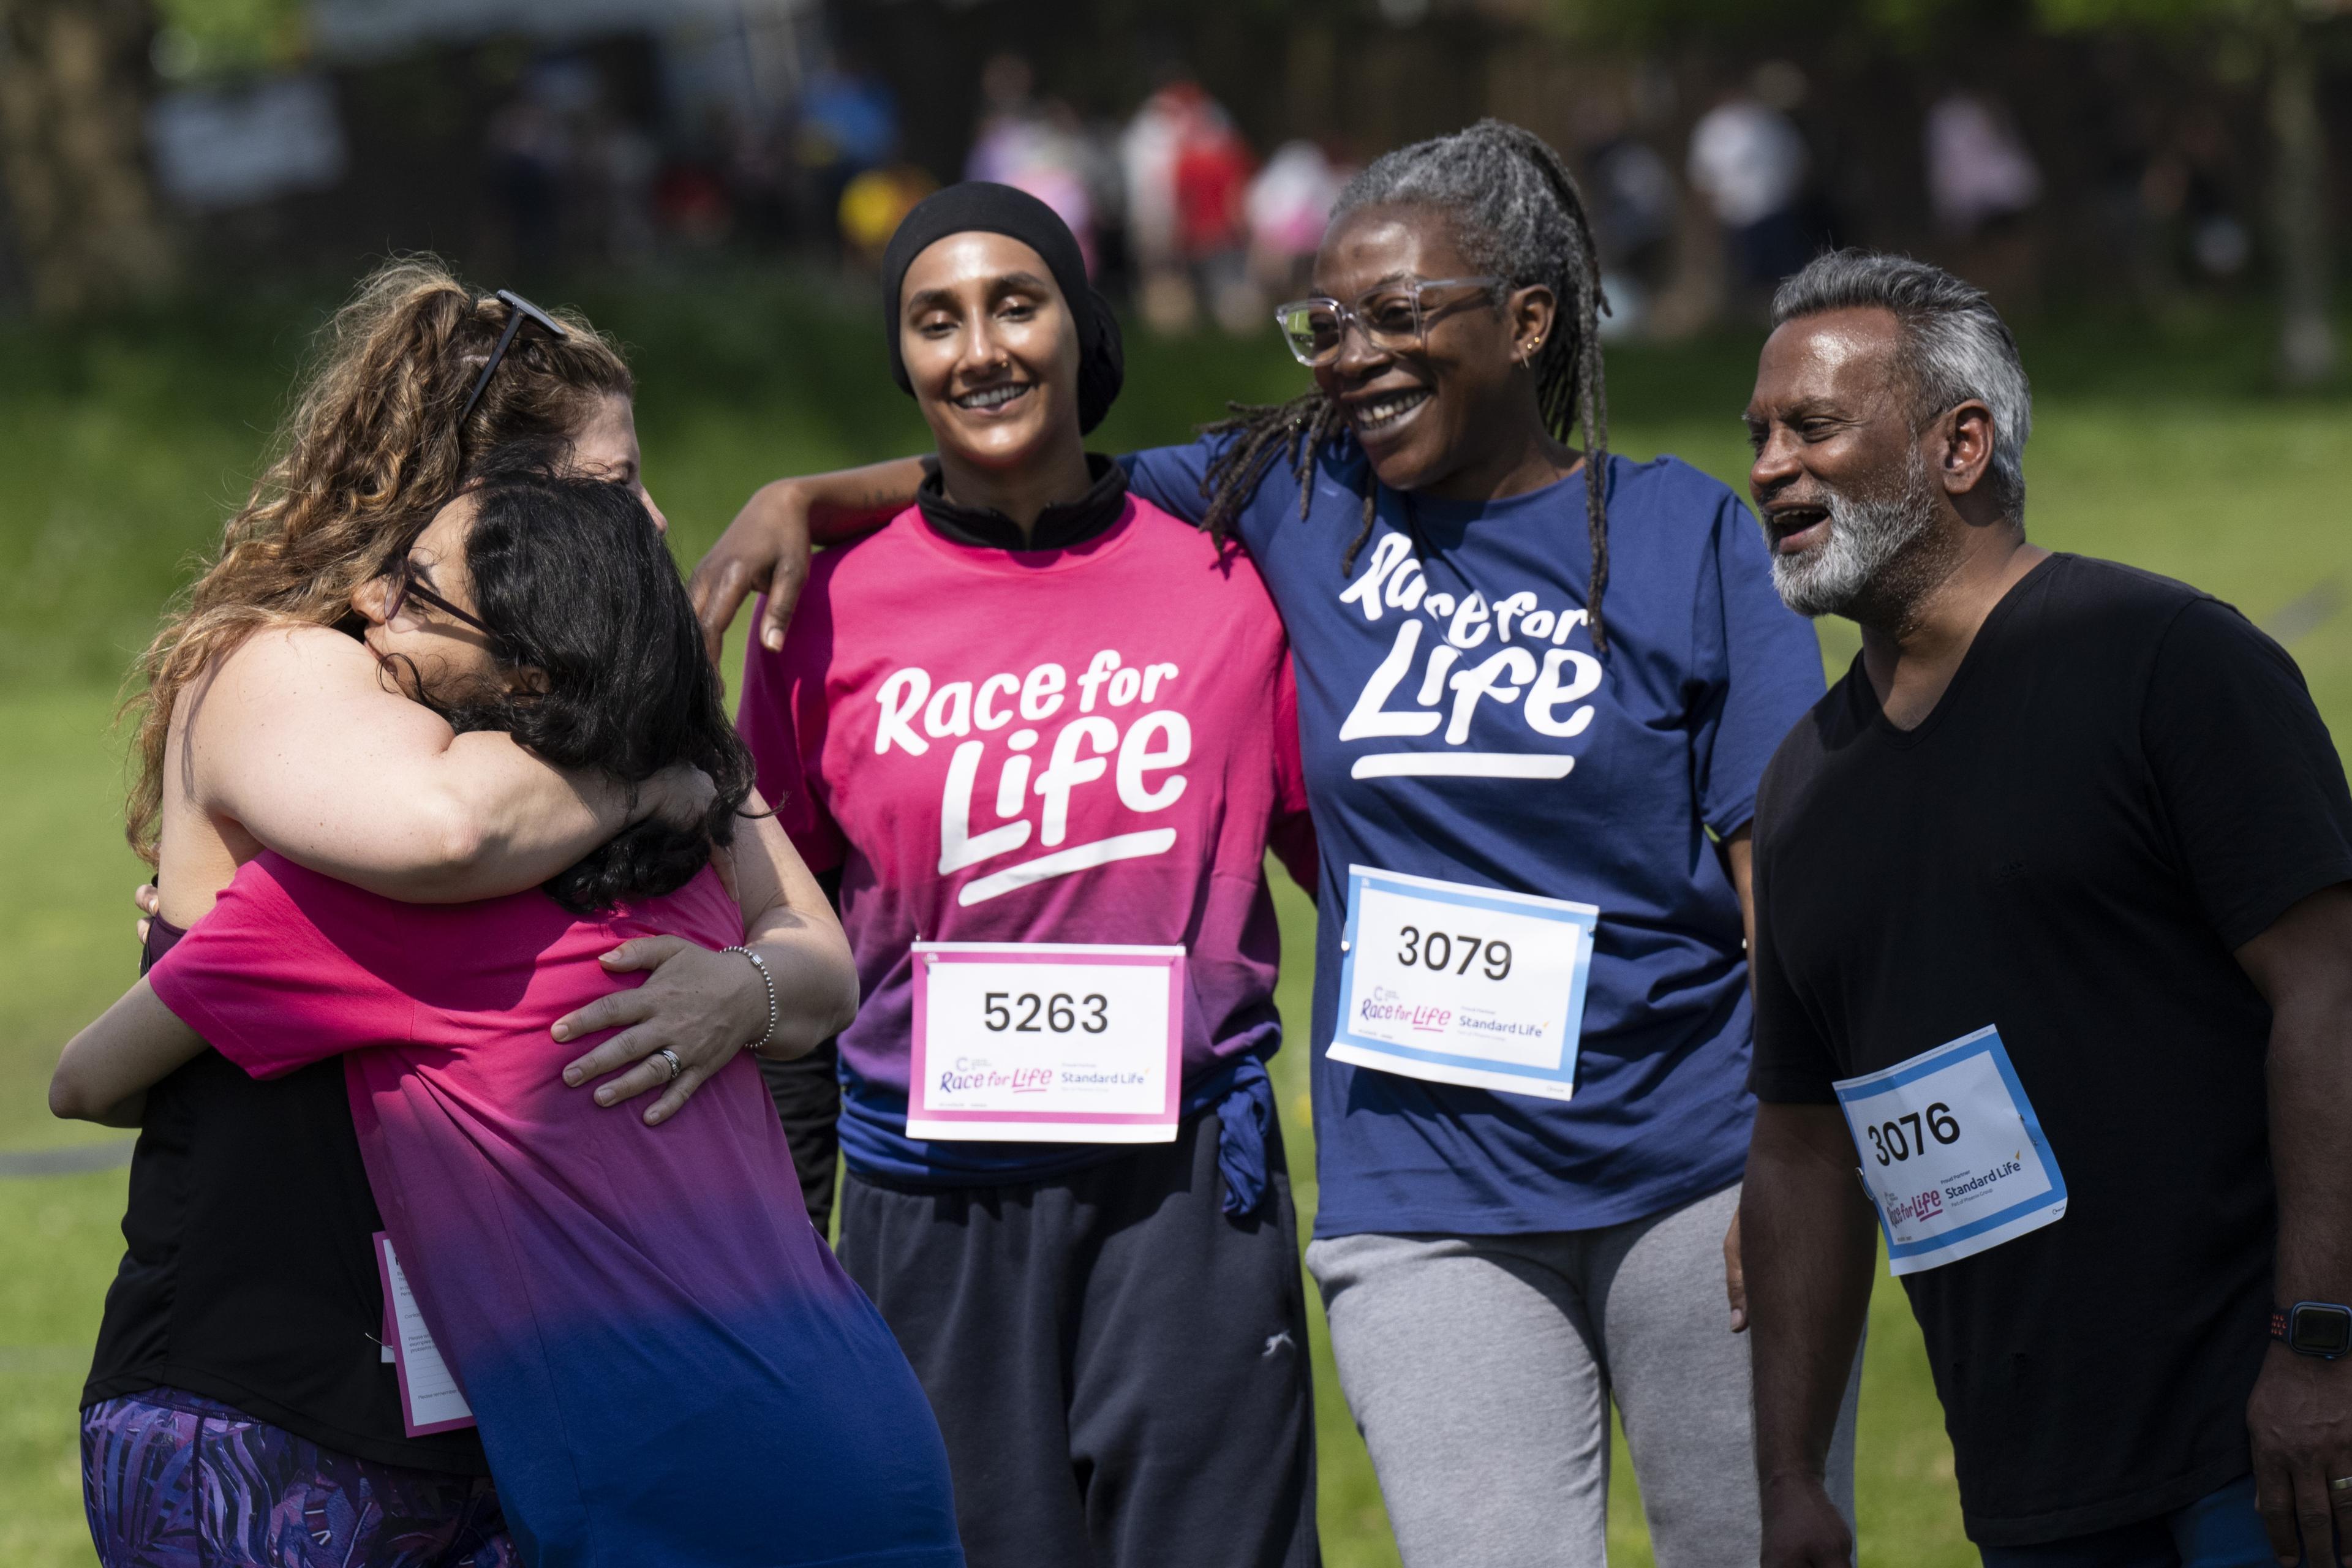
{"x": 1395, "y": 316}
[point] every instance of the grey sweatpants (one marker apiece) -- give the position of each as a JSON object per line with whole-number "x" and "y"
{"x": 1480, "y": 1369}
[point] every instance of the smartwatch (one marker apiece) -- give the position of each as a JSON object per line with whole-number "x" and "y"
{"x": 2321, "y": 1329}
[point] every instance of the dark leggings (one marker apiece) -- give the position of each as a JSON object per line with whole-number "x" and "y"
{"x": 172, "y": 1479}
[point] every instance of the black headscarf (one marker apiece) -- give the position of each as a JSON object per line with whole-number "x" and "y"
{"x": 976, "y": 205}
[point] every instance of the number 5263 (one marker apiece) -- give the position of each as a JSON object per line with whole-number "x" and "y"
{"x": 1030, "y": 1013}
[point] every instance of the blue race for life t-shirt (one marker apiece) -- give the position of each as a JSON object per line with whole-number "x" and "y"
{"x": 1705, "y": 671}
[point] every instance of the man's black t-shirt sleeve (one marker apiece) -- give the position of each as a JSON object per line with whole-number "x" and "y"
{"x": 2251, "y": 789}
{"x": 1793, "y": 1064}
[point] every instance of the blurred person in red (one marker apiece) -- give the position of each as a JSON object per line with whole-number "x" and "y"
{"x": 1188, "y": 172}
{"x": 1212, "y": 177}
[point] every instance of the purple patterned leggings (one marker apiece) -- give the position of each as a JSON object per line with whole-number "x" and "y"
{"x": 172, "y": 1479}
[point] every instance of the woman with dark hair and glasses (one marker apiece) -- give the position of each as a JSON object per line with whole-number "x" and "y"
{"x": 1537, "y": 686}
{"x": 1025, "y": 726}
{"x": 243, "y": 1334}
{"x": 667, "y": 1365}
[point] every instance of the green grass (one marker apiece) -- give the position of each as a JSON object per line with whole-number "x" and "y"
{"x": 125, "y": 442}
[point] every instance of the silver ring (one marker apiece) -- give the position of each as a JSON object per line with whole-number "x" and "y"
{"x": 2340, "y": 1484}
{"x": 676, "y": 1065}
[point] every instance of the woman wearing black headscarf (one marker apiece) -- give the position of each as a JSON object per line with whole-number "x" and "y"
{"x": 1047, "y": 793}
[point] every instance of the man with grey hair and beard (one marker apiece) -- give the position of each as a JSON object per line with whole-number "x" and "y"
{"x": 2055, "y": 950}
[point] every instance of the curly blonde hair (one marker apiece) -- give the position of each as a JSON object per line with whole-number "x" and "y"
{"x": 371, "y": 449}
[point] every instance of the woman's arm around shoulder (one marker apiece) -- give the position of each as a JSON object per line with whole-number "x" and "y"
{"x": 298, "y": 738}
{"x": 766, "y": 549}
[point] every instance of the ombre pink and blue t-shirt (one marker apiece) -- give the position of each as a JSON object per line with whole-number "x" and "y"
{"x": 1095, "y": 743}
{"x": 667, "y": 1363}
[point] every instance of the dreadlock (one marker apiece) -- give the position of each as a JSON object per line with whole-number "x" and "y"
{"x": 1518, "y": 216}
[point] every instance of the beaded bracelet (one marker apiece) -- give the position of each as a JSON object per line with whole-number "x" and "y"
{"x": 769, "y": 981}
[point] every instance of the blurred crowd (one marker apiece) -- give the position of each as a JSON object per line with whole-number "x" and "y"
{"x": 1705, "y": 186}
{"x": 1188, "y": 223}
{"x": 1176, "y": 213}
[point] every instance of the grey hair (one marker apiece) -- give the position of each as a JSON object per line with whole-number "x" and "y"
{"x": 1516, "y": 213}
{"x": 1954, "y": 346}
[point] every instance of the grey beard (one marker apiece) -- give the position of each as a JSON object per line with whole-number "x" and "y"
{"x": 1866, "y": 537}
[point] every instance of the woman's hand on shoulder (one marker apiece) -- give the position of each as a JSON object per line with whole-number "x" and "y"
{"x": 766, "y": 551}
{"x": 702, "y": 1005}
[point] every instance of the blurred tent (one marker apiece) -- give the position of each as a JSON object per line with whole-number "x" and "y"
{"x": 522, "y": 136}
{"x": 747, "y": 54}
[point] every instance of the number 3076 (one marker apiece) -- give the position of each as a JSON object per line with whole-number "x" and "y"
{"x": 1888, "y": 1139}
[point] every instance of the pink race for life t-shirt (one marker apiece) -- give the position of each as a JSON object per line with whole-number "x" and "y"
{"x": 665, "y": 1360}
{"x": 1091, "y": 744}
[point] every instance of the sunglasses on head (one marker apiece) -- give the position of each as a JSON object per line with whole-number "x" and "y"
{"x": 521, "y": 310}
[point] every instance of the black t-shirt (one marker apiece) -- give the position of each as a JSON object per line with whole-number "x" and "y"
{"x": 2124, "y": 783}
{"x": 249, "y": 1274}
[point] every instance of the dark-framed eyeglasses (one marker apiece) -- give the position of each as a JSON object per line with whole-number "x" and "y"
{"x": 1394, "y": 316}
{"x": 519, "y": 311}
{"x": 408, "y": 582}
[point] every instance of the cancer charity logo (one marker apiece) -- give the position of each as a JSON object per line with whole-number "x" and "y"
{"x": 1952, "y": 1154}
{"x": 1114, "y": 740}
{"x": 1503, "y": 655}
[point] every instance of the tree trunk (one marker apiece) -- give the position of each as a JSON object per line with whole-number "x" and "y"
{"x": 72, "y": 80}
{"x": 2299, "y": 207}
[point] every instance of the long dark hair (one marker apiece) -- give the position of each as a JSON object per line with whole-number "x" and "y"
{"x": 577, "y": 584}
{"x": 1518, "y": 216}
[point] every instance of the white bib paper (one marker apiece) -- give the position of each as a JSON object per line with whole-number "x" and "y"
{"x": 1050, "y": 1042}
{"x": 1460, "y": 984}
{"x": 429, "y": 1398}
{"x": 1952, "y": 1156}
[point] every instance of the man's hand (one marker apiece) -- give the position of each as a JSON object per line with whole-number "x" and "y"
{"x": 1801, "y": 1527}
{"x": 1735, "y": 1282}
{"x": 1808, "y": 1294}
{"x": 148, "y": 901}
{"x": 2300, "y": 1419}
{"x": 764, "y": 551}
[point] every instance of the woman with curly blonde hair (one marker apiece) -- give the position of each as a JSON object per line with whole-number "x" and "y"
{"x": 241, "y": 1406}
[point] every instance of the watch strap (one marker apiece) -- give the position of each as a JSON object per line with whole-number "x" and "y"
{"x": 2282, "y": 1328}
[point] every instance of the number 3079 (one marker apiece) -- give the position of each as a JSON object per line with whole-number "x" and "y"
{"x": 1439, "y": 950}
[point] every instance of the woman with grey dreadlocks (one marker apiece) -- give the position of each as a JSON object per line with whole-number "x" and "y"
{"x": 1538, "y": 685}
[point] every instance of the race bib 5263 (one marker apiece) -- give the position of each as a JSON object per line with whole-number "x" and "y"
{"x": 1054, "y": 1042}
